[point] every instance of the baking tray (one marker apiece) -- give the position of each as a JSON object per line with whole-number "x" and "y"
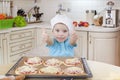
{"x": 88, "y": 73}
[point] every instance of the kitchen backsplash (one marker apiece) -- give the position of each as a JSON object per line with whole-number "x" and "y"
{"x": 73, "y": 8}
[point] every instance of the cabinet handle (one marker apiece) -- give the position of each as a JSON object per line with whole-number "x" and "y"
{"x": 90, "y": 39}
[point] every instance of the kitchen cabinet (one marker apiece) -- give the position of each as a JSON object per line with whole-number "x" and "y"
{"x": 3, "y": 48}
{"x": 1, "y": 51}
{"x": 81, "y": 49}
{"x": 20, "y": 42}
{"x": 104, "y": 47}
{"x": 16, "y": 43}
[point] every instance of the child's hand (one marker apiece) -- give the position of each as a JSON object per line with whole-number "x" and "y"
{"x": 73, "y": 37}
{"x": 45, "y": 35}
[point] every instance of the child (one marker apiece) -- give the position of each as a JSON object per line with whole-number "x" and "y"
{"x": 64, "y": 37}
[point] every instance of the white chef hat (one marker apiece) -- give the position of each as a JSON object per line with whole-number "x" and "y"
{"x": 61, "y": 18}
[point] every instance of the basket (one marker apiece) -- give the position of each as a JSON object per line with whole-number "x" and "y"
{"x": 7, "y": 23}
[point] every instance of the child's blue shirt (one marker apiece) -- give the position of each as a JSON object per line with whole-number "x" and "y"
{"x": 61, "y": 49}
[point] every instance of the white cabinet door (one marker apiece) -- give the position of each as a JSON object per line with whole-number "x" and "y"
{"x": 4, "y": 48}
{"x": 104, "y": 47}
{"x": 14, "y": 44}
{"x": 81, "y": 49}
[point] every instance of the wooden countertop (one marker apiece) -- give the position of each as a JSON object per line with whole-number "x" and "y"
{"x": 100, "y": 71}
{"x": 4, "y": 68}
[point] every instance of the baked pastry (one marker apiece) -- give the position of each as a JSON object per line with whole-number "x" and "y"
{"x": 26, "y": 70}
{"x": 52, "y": 62}
{"x": 72, "y": 62}
{"x": 34, "y": 61}
{"x": 73, "y": 71}
{"x": 50, "y": 70}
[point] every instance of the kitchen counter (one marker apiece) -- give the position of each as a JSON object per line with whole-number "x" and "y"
{"x": 98, "y": 29}
{"x": 100, "y": 71}
{"x": 91, "y": 28}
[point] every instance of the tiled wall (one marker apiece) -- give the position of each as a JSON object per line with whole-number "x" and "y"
{"x": 77, "y": 7}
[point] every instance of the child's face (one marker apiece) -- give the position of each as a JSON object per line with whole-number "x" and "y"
{"x": 60, "y": 32}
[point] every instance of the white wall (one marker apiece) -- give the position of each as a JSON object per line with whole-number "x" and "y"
{"x": 78, "y": 7}
{"x": 22, "y": 4}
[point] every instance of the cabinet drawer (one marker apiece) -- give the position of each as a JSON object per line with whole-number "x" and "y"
{"x": 16, "y": 48}
{"x": 21, "y": 35}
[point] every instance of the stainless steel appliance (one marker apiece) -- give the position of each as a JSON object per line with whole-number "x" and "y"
{"x": 111, "y": 18}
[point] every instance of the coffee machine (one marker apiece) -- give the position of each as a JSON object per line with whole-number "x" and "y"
{"x": 110, "y": 18}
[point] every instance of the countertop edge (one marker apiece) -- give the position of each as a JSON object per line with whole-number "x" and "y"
{"x": 47, "y": 25}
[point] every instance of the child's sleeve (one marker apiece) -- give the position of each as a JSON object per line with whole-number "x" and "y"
{"x": 75, "y": 45}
